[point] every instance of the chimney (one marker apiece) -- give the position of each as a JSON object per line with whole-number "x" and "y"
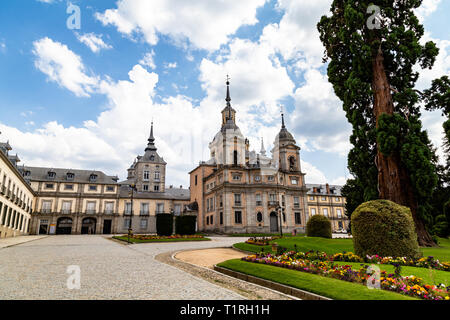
{"x": 328, "y": 188}
{"x": 181, "y": 187}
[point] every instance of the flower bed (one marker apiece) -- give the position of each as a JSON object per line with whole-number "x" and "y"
{"x": 150, "y": 237}
{"x": 428, "y": 262}
{"x": 412, "y": 286}
{"x": 261, "y": 241}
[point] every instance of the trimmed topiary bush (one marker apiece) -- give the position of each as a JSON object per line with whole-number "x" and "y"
{"x": 384, "y": 228}
{"x": 440, "y": 227}
{"x": 318, "y": 226}
{"x": 185, "y": 225}
{"x": 164, "y": 224}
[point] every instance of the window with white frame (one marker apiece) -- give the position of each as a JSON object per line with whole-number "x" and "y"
{"x": 109, "y": 207}
{"x": 146, "y": 175}
{"x": 145, "y": 208}
{"x": 90, "y": 207}
{"x": 296, "y": 202}
{"x": 66, "y": 207}
{"x": 325, "y": 212}
{"x": 144, "y": 224}
{"x": 313, "y": 211}
{"x": 339, "y": 213}
{"x": 258, "y": 199}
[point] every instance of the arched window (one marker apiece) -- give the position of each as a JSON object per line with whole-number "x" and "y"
{"x": 259, "y": 217}
{"x": 292, "y": 163}
{"x": 235, "y": 159}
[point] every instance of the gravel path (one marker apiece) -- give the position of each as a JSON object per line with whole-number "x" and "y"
{"x": 109, "y": 270}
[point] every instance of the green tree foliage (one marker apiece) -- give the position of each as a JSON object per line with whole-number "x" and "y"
{"x": 385, "y": 228}
{"x": 352, "y": 50}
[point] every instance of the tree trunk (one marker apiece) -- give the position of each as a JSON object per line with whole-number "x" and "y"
{"x": 393, "y": 179}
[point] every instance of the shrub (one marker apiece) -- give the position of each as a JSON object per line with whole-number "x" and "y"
{"x": 164, "y": 224}
{"x": 440, "y": 227}
{"x": 185, "y": 225}
{"x": 318, "y": 226}
{"x": 384, "y": 228}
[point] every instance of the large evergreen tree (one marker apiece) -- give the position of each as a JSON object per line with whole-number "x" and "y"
{"x": 371, "y": 70}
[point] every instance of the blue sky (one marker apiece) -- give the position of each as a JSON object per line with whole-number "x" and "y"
{"x": 85, "y": 98}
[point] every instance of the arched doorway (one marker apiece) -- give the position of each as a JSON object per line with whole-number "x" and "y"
{"x": 64, "y": 226}
{"x": 88, "y": 226}
{"x": 273, "y": 222}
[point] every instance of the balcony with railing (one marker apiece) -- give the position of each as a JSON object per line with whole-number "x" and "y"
{"x": 272, "y": 204}
{"x": 66, "y": 211}
{"x": 144, "y": 213}
{"x": 91, "y": 211}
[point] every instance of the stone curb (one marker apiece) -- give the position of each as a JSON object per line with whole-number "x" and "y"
{"x": 301, "y": 294}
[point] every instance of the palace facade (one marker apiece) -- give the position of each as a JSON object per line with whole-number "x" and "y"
{"x": 16, "y": 196}
{"x": 241, "y": 191}
{"x": 235, "y": 191}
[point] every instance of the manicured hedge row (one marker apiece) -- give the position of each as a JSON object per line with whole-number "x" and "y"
{"x": 164, "y": 224}
{"x": 185, "y": 225}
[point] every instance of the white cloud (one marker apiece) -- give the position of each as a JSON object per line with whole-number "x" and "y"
{"x": 171, "y": 65}
{"x": 206, "y": 24}
{"x": 313, "y": 174}
{"x": 148, "y": 60}
{"x": 63, "y": 66}
{"x": 93, "y": 41}
{"x": 296, "y": 36}
{"x": 319, "y": 117}
{"x": 427, "y": 8}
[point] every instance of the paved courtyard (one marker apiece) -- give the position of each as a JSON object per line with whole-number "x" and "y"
{"x": 109, "y": 270}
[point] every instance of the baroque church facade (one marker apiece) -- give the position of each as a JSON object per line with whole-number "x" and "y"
{"x": 241, "y": 191}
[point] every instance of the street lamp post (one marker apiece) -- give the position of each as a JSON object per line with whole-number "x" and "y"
{"x": 130, "y": 229}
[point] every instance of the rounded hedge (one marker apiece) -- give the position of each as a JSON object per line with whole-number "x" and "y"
{"x": 384, "y": 228}
{"x": 164, "y": 224}
{"x": 318, "y": 226}
{"x": 185, "y": 225}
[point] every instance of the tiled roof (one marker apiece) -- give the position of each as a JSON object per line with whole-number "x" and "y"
{"x": 169, "y": 194}
{"x": 80, "y": 176}
{"x": 322, "y": 189}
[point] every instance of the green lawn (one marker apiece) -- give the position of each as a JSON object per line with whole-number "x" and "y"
{"x": 125, "y": 238}
{"x": 328, "y": 287}
{"x": 429, "y": 276}
{"x": 332, "y": 246}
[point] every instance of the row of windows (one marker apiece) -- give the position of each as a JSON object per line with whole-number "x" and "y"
{"x": 145, "y": 208}
{"x": 259, "y": 218}
{"x": 146, "y": 187}
{"x": 143, "y": 223}
{"x": 146, "y": 175}
{"x": 324, "y": 198}
{"x": 13, "y": 192}
{"x": 70, "y": 187}
{"x": 12, "y": 218}
{"x": 210, "y": 203}
{"x": 326, "y": 213}
{"x": 67, "y": 207}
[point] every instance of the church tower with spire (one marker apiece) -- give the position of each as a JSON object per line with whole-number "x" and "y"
{"x": 148, "y": 172}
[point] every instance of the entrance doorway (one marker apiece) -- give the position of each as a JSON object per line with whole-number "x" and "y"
{"x": 64, "y": 226}
{"x": 107, "y": 226}
{"x": 43, "y": 227}
{"x": 273, "y": 222}
{"x": 88, "y": 226}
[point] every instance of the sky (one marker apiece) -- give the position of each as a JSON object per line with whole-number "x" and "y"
{"x": 80, "y": 90}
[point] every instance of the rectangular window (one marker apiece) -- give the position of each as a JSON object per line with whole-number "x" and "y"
{"x": 90, "y": 207}
{"x": 156, "y": 188}
{"x": 325, "y": 212}
{"x": 145, "y": 187}
{"x": 324, "y": 198}
{"x": 339, "y": 213}
{"x": 313, "y": 211}
{"x": 311, "y": 198}
{"x": 146, "y": 175}
{"x": 338, "y": 199}
{"x": 68, "y": 187}
{"x": 92, "y": 188}
{"x": 66, "y": 207}
{"x": 160, "y": 208}
{"x": 257, "y": 178}
{"x": 157, "y": 176}
{"x": 270, "y": 178}
{"x": 128, "y": 208}
{"x": 144, "y": 224}
{"x": 296, "y": 202}
{"x": 294, "y": 181}
{"x": 49, "y": 186}
{"x": 126, "y": 223}
{"x": 196, "y": 180}
{"x": 221, "y": 218}
{"x": 110, "y": 189}
{"x": 177, "y": 209}
{"x": 258, "y": 199}
{"x": 109, "y": 207}
{"x": 298, "y": 219}
{"x": 46, "y": 206}
{"x": 237, "y": 199}
{"x": 145, "y": 208}
{"x": 211, "y": 219}
{"x": 238, "y": 217}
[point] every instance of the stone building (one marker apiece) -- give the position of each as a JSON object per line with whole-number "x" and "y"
{"x": 16, "y": 196}
{"x": 241, "y": 191}
{"x": 146, "y": 183}
{"x": 71, "y": 201}
{"x": 328, "y": 201}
